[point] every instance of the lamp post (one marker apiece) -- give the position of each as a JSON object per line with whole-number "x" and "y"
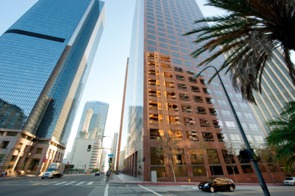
{"x": 248, "y": 147}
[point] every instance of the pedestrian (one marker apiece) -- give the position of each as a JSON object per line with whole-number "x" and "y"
{"x": 108, "y": 174}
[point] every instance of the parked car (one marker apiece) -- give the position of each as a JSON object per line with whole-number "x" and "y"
{"x": 289, "y": 181}
{"x": 217, "y": 184}
{"x": 97, "y": 174}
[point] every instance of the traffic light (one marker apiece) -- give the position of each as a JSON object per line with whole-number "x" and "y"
{"x": 89, "y": 148}
{"x": 110, "y": 160}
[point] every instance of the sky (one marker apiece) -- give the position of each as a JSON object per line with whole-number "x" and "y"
{"x": 106, "y": 78}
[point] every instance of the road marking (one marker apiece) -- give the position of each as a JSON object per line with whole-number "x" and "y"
{"x": 60, "y": 183}
{"x": 72, "y": 182}
{"x": 149, "y": 190}
{"x": 89, "y": 183}
{"x": 40, "y": 183}
{"x": 106, "y": 191}
{"x": 80, "y": 183}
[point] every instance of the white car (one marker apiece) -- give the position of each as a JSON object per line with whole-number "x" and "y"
{"x": 289, "y": 181}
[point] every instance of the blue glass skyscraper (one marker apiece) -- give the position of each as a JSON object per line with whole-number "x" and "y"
{"x": 45, "y": 59}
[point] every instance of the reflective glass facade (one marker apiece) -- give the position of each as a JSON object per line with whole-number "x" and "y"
{"x": 277, "y": 90}
{"x": 169, "y": 118}
{"x": 45, "y": 58}
{"x": 93, "y": 120}
{"x": 90, "y": 136}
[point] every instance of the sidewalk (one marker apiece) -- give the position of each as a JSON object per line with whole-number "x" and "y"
{"x": 126, "y": 179}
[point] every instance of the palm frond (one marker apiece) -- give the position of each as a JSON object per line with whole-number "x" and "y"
{"x": 248, "y": 34}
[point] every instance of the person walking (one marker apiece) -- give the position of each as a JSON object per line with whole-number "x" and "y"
{"x": 108, "y": 174}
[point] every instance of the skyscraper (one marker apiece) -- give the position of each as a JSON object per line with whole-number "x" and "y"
{"x": 46, "y": 57}
{"x": 277, "y": 90}
{"x": 172, "y": 123}
{"x": 86, "y": 151}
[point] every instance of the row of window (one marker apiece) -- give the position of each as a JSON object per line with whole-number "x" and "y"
{"x": 194, "y": 135}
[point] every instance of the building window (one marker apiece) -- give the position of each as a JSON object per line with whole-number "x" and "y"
{"x": 180, "y": 77}
{"x": 174, "y": 120}
{"x": 247, "y": 169}
{"x": 196, "y": 156}
{"x": 213, "y": 157}
{"x": 200, "y": 110}
{"x": 171, "y": 95}
{"x": 205, "y": 91}
{"x": 221, "y": 102}
{"x": 198, "y": 99}
{"x": 259, "y": 138}
{"x": 178, "y": 157}
{"x": 208, "y": 137}
{"x": 178, "y": 69}
{"x": 172, "y": 107}
{"x": 153, "y": 105}
{"x": 228, "y": 158}
{"x": 39, "y": 150}
{"x": 220, "y": 137}
{"x": 186, "y": 108}
{"x": 233, "y": 169}
{"x": 235, "y": 137}
{"x": 4, "y": 144}
{"x": 157, "y": 156}
{"x": 192, "y": 135}
{"x": 199, "y": 171}
{"x": 253, "y": 127}
{"x": 226, "y": 113}
{"x": 230, "y": 124}
{"x": 216, "y": 170}
{"x": 204, "y": 123}
{"x": 195, "y": 89}
{"x": 209, "y": 100}
{"x": 215, "y": 123}
{"x": 167, "y": 75}
{"x": 184, "y": 97}
{"x": 175, "y": 134}
{"x": 188, "y": 121}
{"x": 169, "y": 84}
{"x": 212, "y": 111}
{"x": 181, "y": 86}
{"x": 152, "y": 72}
{"x": 12, "y": 133}
{"x": 156, "y": 134}
{"x": 192, "y": 80}
{"x": 190, "y": 72}
{"x": 154, "y": 118}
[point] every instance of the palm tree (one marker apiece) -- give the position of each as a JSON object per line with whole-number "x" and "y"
{"x": 282, "y": 136}
{"x": 248, "y": 34}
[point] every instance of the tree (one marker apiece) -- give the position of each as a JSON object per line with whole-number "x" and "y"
{"x": 282, "y": 136}
{"x": 248, "y": 34}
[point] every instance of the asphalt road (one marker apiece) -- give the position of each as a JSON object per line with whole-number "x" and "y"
{"x": 90, "y": 185}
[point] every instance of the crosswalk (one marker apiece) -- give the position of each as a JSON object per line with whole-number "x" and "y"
{"x": 63, "y": 183}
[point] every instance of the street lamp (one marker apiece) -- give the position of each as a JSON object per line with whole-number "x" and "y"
{"x": 248, "y": 147}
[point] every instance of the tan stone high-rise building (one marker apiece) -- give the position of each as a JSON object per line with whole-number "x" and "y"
{"x": 180, "y": 127}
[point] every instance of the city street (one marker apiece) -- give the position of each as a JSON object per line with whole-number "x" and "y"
{"x": 90, "y": 185}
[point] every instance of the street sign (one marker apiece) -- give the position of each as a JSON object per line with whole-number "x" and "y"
{"x": 110, "y": 155}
